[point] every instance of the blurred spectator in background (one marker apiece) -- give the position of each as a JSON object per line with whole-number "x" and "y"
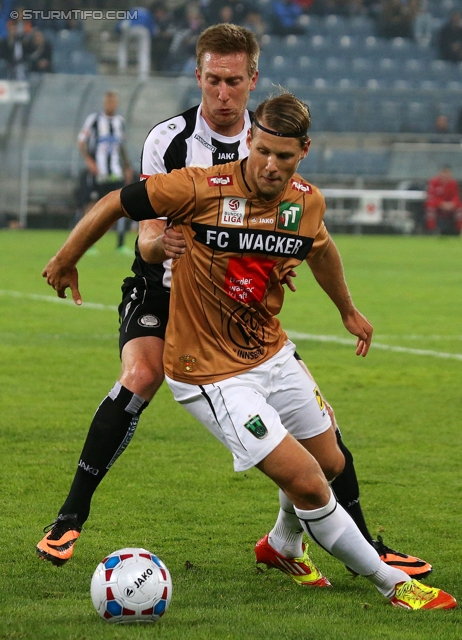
{"x": 163, "y": 36}
{"x": 236, "y": 10}
{"x": 39, "y": 53}
{"x": 305, "y": 5}
{"x": 450, "y": 38}
{"x": 443, "y": 208}
{"x": 140, "y": 28}
{"x": 182, "y": 54}
{"x": 101, "y": 142}
{"x": 254, "y": 22}
{"x": 5, "y": 8}
{"x": 285, "y": 18}
{"x": 441, "y": 124}
{"x": 23, "y": 27}
{"x": 335, "y": 7}
{"x": 396, "y": 18}
{"x": 423, "y": 25}
{"x": 13, "y": 52}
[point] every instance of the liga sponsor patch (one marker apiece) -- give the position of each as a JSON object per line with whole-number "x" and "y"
{"x": 233, "y": 211}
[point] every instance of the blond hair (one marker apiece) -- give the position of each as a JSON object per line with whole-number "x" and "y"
{"x": 225, "y": 39}
{"x": 284, "y": 114}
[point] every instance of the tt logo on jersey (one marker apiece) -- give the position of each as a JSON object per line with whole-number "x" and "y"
{"x": 233, "y": 211}
{"x": 217, "y": 181}
{"x": 289, "y": 216}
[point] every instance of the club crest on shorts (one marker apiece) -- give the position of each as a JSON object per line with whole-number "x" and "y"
{"x": 257, "y": 427}
{"x": 149, "y": 321}
{"x": 188, "y": 363}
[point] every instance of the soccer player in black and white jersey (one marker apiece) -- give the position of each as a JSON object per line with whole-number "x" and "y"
{"x": 213, "y": 132}
{"x": 101, "y": 142}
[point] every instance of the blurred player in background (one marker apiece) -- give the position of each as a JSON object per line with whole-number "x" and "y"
{"x": 102, "y": 144}
{"x": 212, "y": 133}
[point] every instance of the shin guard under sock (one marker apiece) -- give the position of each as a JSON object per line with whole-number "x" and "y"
{"x": 333, "y": 529}
{"x": 287, "y": 534}
{"x": 111, "y": 430}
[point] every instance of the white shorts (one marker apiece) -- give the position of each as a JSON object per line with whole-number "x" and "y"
{"x": 251, "y": 413}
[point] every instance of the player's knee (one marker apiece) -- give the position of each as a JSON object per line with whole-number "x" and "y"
{"x": 310, "y": 493}
{"x": 334, "y": 466}
{"x": 143, "y": 379}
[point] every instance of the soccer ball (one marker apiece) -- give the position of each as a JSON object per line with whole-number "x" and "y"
{"x": 131, "y": 585}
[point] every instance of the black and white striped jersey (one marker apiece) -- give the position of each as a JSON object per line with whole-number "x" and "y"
{"x": 185, "y": 140}
{"x": 104, "y": 136}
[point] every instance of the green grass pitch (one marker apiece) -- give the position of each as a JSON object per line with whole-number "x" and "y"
{"x": 174, "y": 490}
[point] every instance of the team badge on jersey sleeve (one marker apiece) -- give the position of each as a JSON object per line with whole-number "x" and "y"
{"x": 233, "y": 211}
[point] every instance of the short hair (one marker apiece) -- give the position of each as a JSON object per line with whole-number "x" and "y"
{"x": 225, "y": 39}
{"x": 111, "y": 93}
{"x": 284, "y": 114}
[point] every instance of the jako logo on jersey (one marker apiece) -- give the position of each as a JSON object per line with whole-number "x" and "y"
{"x": 149, "y": 321}
{"x": 226, "y": 156}
{"x": 172, "y": 126}
{"x": 216, "y": 181}
{"x": 301, "y": 186}
{"x": 266, "y": 221}
{"x": 206, "y": 144}
{"x": 289, "y": 216}
{"x": 233, "y": 211}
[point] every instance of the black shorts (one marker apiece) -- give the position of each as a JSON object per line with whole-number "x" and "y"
{"x": 142, "y": 312}
{"x": 97, "y": 190}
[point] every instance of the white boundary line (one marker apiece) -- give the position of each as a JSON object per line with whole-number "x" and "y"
{"x": 375, "y": 345}
{"x": 36, "y": 296}
{"x": 292, "y": 334}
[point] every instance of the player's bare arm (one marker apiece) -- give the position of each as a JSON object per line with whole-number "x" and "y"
{"x": 60, "y": 272}
{"x": 128, "y": 171}
{"x": 327, "y": 268}
{"x": 158, "y": 242}
{"x": 89, "y": 161}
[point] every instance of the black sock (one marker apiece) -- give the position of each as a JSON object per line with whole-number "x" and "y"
{"x": 110, "y": 432}
{"x": 346, "y": 489}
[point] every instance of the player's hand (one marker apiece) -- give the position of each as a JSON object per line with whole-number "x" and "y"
{"x": 60, "y": 278}
{"x": 173, "y": 242}
{"x": 128, "y": 175}
{"x": 287, "y": 279}
{"x": 360, "y": 327}
{"x": 92, "y": 166}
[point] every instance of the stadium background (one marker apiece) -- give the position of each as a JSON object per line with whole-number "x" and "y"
{"x": 374, "y": 102}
